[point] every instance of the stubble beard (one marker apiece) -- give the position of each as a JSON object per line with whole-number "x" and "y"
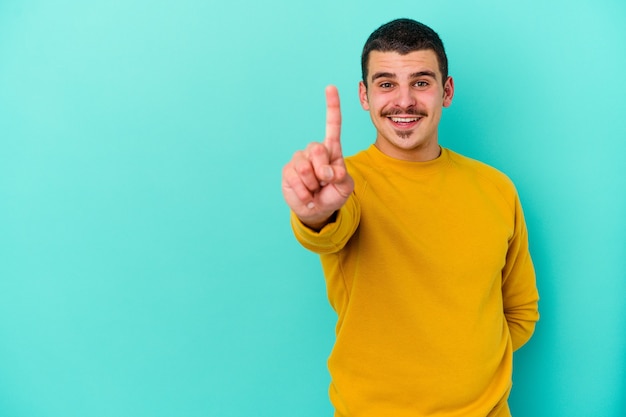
{"x": 404, "y": 134}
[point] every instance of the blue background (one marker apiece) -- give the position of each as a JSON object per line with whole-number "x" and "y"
{"x": 147, "y": 267}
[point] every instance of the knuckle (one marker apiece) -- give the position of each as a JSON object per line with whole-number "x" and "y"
{"x": 318, "y": 149}
{"x": 304, "y": 168}
{"x": 297, "y": 156}
{"x": 287, "y": 170}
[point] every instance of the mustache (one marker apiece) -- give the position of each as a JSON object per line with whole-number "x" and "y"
{"x": 410, "y": 111}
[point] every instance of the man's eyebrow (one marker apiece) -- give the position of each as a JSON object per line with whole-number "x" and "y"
{"x": 424, "y": 74}
{"x": 383, "y": 75}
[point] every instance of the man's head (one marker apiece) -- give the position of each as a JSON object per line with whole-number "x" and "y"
{"x": 404, "y": 36}
{"x": 405, "y": 87}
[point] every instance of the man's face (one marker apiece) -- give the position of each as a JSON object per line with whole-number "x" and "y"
{"x": 405, "y": 97}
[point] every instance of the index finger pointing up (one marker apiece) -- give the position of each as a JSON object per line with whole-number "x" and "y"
{"x": 333, "y": 120}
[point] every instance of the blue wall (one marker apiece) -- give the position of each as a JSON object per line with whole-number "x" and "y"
{"x": 147, "y": 267}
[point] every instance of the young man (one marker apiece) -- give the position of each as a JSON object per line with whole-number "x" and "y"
{"x": 425, "y": 252}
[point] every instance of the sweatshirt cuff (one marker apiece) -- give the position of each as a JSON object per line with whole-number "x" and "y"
{"x": 332, "y": 237}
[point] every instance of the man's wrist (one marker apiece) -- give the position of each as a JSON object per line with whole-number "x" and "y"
{"x": 319, "y": 225}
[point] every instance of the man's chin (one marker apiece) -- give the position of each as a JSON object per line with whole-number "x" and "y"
{"x": 404, "y": 134}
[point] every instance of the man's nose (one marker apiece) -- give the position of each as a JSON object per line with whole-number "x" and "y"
{"x": 405, "y": 98}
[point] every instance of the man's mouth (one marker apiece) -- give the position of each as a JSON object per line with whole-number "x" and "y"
{"x": 404, "y": 119}
{"x": 404, "y": 122}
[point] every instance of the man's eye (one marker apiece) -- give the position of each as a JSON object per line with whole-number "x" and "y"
{"x": 385, "y": 85}
{"x": 421, "y": 84}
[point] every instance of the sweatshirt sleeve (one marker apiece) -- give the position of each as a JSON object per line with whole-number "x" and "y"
{"x": 334, "y": 236}
{"x": 519, "y": 290}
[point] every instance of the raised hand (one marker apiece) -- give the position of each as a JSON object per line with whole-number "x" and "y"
{"x": 315, "y": 182}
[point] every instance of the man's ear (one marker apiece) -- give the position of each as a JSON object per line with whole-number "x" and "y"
{"x": 448, "y": 92}
{"x": 363, "y": 96}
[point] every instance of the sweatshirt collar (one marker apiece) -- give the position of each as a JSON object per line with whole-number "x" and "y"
{"x": 418, "y": 168}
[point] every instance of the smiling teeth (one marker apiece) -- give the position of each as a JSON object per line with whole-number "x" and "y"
{"x": 404, "y": 119}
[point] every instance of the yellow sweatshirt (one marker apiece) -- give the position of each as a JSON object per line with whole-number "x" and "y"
{"x": 427, "y": 266}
